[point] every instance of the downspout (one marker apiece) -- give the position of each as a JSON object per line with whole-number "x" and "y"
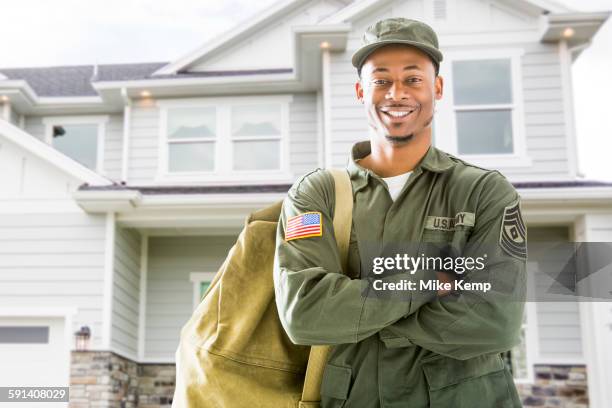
{"x": 567, "y": 56}
{"x": 568, "y": 107}
{"x": 327, "y": 128}
{"x": 127, "y": 115}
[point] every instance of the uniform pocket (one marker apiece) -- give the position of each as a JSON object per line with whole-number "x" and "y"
{"x": 437, "y": 235}
{"x": 479, "y": 382}
{"x": 335, "y": 385}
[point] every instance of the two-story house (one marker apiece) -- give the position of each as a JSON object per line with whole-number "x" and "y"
{"x": 123, "y": 186}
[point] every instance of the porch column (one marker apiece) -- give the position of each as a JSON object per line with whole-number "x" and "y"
{"x": 596, "y": 317}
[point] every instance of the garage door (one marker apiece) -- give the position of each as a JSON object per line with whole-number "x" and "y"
{"x": 34, "y": 352}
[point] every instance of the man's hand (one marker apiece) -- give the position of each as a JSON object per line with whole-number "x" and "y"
{"x": 444, "y": 277}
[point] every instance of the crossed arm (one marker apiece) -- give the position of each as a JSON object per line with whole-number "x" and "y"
{"x": 318, "y": 304}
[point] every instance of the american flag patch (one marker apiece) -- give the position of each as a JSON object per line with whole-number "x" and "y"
{"x": 303, "y": 226}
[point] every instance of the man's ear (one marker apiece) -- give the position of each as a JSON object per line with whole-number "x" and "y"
{"x": 439, "y": 87}
{"x": 359, "y": 91}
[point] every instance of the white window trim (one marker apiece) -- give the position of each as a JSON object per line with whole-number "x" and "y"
{"x": 99, "y": 120}
{"x": 197, "y": 278}
{"x": 222, "y": 171}
{"x": 446, "y": 124}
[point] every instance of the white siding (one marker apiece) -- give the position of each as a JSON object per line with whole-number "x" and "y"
{"x": 35, "y": 127}
{"x": 113, "y": 145}
{"x": 303, "y": 133}
{"x": 51, "y": 252}
{"x": 558, "y": 322}
{"x": 14, "y": 116}
{"x": 126, "y": 292}
{"x": 169, "y": 290}
{"x": 143, "y": 142}
{"x": 144, "y": 136}
{"x": 544, "y": 115}
{"x": 54, "y": 260}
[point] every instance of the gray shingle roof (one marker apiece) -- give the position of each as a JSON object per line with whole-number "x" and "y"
{"x": 76, "y": 80}
{"x": 127, "y": 72}
{"x": 55, "y": 81}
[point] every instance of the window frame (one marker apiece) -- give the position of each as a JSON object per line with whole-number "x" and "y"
{"x": 99, "y": 120}
{"x": 447, "y": 137}
{"x": 196, "y": 278}
{"x": 222, "y": 170}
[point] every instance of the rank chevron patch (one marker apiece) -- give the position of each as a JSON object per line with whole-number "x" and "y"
{"x": 513, "y": 234}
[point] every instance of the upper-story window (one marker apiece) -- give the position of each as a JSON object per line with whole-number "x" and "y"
{"x": 483, "y": 100}
{"x": 192, "y": 134}
{"x": 79, "y": 137}
{"x": 256, "y": 136}
{"x": 224, "y": 138}
{"x": 480, "y": 117}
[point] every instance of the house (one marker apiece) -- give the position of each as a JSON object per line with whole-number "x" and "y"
{"x": 123, "y": 186}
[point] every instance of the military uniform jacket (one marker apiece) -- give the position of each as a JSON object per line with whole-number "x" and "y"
{"x": 407, "y": 348}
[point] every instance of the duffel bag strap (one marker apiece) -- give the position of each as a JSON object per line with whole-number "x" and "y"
{"x": 343, "y": 218}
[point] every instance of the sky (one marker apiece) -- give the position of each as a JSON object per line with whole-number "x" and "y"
{"x": 77, "y": 32}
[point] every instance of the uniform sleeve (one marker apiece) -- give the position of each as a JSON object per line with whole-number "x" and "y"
{"x": 317, "y": 303}
{"x": 469, "y": 323}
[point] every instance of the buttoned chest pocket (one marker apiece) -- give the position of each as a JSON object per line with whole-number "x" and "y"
{"x": 445, "y": 242}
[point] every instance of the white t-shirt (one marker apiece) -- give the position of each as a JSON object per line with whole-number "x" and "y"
{"x": 396, "y": 183}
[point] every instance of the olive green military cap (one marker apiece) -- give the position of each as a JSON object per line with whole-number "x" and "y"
{"x": 398, "y": 31}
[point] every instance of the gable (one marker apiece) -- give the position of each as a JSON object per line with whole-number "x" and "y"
{"x": 271, "y": 47}
{"x": 35, "y": 164}
{"x": 440, "y": 9}
{"x": 454, "y": 16}
{"x": 24, "y": 175}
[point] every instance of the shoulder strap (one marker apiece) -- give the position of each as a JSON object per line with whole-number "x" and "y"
{"x": 343, "y": 218}
{"x": 343, "y": 212}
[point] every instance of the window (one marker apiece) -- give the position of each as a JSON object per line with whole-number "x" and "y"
{"x": 256, "y": 137}
{"x": 234, "y": 139}
{"x": 191, "y": 139}
{"x": 80, "y": 138}
{"x": 24, "y": 334}
{"x": 201, "y": 281}
{"x": 482, "y": 94}
{"x": 480, "y": 117}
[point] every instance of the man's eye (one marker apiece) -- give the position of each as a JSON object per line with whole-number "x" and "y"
{"x": 413, "y": 80}
{"x": 380, "y": 81}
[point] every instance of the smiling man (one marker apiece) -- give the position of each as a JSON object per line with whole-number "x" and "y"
{"x": 420, "y": 347}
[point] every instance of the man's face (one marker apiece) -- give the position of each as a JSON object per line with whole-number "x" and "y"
{"x": 398, "y": 88}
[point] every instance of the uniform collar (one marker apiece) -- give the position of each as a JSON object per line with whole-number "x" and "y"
{"x": 435, "y": 160}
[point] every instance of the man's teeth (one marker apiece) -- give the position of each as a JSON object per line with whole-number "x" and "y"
{"x": 397, "y": 114}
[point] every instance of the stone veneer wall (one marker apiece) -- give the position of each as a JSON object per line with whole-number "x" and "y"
{"x": 105, "y": 379}
{"x": 556, "y": 386}
{"x": 156, "y": 386}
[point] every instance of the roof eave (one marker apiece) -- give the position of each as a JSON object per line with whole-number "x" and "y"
{"x": 95, "y": 201}
{"x": 583, "y": 27}
{"x": 568, "y": 195}
{"x": 107, "y": 201}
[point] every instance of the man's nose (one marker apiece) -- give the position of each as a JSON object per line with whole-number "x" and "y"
{"x": 397, "y": 91}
